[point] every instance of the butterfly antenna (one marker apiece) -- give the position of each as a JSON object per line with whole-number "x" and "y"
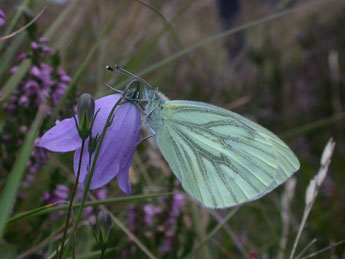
{"x": 128, "y": 74}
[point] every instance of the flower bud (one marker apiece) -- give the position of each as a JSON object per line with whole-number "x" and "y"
{"x": 86, "y": 109}
{"x": 102, "y": 229}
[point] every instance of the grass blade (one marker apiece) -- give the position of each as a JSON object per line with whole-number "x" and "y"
{"x": 13, "y": 180}
{"x": 46, "y": 210}
{"x": 61, "y": 18}
{"x": 13, "y": 82}
{"x": 84, "y": 64}
{"x": 230, "y": 32}
{"x": 7, "y": 57}
{"x": 212, "y": 233}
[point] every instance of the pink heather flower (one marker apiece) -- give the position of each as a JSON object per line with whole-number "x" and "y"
{"x": 118, "y": 146}
{"x": 45, "y": 75}
{"x": 47, "y": 49}
{"x": 177, "y": 204}
{"x": 31, "y": 87}
{"x": 2, "y": 17}
{"x": 13, "y": 69}
{"x": 23, "y": 129}
{"x": 5, "y": 137}
{"x": 61, "y": 87}
{"x": 61, "y": 192}
{"x": 35, "y": 71}
{"x": 21, "y": 57}
{"x": 149, "y": 213}
{"x": 42, "y": 94}
{"x": 102, "y": 194}
{"x": 43, "y": 40}
{"x": 58, "y": 93}
{"x": 46, "y": 68}
{"x": 34, "y": 45}
{"x": 24, "y": 101}
{"x": 65, "y": 78}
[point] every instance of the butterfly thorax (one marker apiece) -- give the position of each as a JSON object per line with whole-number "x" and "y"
{"x": 154, "y": 104}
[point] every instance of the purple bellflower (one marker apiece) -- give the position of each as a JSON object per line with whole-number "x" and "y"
{"x": 2, "y": 17}
{"x": 117, "y": 149}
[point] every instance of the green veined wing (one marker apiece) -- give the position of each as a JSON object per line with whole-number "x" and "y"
{"x": 221, "y": 158}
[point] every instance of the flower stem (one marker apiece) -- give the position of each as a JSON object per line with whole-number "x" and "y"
{"x": 102, "y": 254}
{"x": 87, "y": 186}
{"x": 71, "y": 200}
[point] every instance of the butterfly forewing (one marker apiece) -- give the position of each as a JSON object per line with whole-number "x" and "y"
{"x": 221, "y": 158}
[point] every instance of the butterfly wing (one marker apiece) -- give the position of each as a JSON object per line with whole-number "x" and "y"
{"x": 221, "y": 158}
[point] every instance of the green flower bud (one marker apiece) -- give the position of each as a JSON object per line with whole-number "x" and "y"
{"x": 102, "y": 229}
{"x": 86, "y": 110}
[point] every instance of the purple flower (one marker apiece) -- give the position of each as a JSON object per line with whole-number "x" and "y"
{"x": 43, "y": 40}
{"x": 117, "y": 149}
{"x": 2, "y": 17}
{"x": 149, "y": 212}
{"x": 58, "y": 93}
{"x": 13, "y": 69}
{"x": 35, "y": 71}
{"x": 24, "y": 101}
{"x": 31, "y": 87}
{"x": 34, "y": 45}
{"x": 21, "y": 57}
{"x": 178, "y": 202}
{"x": 45, "y": 75}
{"x": 66, "y": 79}
{"x": 42, "y": 94}
{"x": 47, "y": 49}
{"x": 60, "y": 193}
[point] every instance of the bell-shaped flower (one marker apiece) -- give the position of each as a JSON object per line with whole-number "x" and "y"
{"x": 117, "y": 149}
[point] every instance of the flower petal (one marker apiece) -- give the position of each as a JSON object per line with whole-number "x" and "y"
{"x": 63, "y": 137}
{"x": 118, "y": 146}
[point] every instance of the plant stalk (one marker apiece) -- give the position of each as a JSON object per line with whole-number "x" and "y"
{"x": 71, "y": 200}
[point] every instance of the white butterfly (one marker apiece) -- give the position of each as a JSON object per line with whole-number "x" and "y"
{"x": 221, "y": 158}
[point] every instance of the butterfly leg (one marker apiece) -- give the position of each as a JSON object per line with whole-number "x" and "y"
{"x": 144, "y": 139}
{"x": 150, "y": 112}
{"x": 115, "y": 90}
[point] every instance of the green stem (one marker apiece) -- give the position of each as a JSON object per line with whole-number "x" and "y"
{"x": 48, "y": 208}
{"x": 102, "y": 254}
{"x": 72, "y": 198}
{"x": 87, "y": 186}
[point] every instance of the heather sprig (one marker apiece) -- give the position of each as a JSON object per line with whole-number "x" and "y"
{"x": 43, "y": 82}
{"x": 156, "y": 223}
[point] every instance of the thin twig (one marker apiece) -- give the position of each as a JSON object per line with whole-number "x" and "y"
{"x": 286, "y": 199}
{"x": 324, "y": 249}
{"x": 25, "y": 26}
{"x": 306, "y": 248}
{"x": 312, "y": 125}
{"x": 73, "y": 237}
{"x": 157, "y": 12}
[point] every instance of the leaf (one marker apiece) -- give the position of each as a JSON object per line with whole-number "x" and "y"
{"x": 13, "y": 82}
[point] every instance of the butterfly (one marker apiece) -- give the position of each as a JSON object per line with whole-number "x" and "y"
{"x": 221, "y": 158}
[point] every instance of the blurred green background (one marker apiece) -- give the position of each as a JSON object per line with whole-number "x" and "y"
{"x": 285, "y": 72}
